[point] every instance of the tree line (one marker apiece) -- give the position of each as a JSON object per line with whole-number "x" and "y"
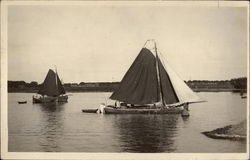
{"x": 236, "y": 83}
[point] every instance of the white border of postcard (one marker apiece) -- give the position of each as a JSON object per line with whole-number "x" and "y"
{"x": 109, "y": 156}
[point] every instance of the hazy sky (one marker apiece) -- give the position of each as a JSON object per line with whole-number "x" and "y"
{"x": 99, "y": 43}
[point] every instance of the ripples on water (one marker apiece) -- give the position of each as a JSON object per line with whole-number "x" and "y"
{"x": 64, "y": 128}
{"x": 147, "y": 133}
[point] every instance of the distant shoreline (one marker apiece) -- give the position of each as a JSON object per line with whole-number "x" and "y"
{"x": 233, "y": 85}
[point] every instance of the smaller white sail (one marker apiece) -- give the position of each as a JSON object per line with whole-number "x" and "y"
{"x": 183, "y": 92}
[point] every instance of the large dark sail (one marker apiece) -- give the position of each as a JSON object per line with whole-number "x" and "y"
{"x": 148, "y": 81}
{"x": 52, "y": 85}
{"x": 140, "y": 84}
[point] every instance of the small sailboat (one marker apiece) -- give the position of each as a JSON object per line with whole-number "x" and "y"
{"x": 51, "y": 90}
{"x": 151, "y": 86}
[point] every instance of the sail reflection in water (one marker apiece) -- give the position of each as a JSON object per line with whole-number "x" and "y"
{"x": 147, "y": 133}
{"x": 52, "y": 128}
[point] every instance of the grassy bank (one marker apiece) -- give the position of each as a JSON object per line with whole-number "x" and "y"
{"x": 231, "y": 132}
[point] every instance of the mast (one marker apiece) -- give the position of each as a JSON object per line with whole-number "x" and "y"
{"x": 158, "y": 75}
{"x": 56, "y": 80}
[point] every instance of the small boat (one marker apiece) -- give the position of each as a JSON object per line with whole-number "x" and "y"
{"x": 89, "y": 110}
{"x": 22, "y": 102}
{"x": 150, "y": 86}
{"x": 51, "y": 90}
{"x": 243, "y": 97}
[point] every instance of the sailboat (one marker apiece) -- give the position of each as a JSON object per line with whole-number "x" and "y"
{"x": 151, "y": 86}
{"x": 51, "y": 90}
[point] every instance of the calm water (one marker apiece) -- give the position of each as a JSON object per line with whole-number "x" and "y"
{"x": 64, "y": 128}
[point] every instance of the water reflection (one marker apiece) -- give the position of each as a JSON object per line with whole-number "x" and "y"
{"x": 51, "y": 126}
{"x": 51, "y": 107}
{"x": 147, "y": 133}
{"x": 39, "y": 128}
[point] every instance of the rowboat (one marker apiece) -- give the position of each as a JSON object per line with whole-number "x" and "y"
{"x": 89, "y": 110}
{"x": 22, "y": 102}
{"x": 243, "y": 97}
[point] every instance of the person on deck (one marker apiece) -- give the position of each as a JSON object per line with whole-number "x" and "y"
{"x": 101, "y": 108}
{"x": 117, "y": 104}
{"x": 124, "y": 105}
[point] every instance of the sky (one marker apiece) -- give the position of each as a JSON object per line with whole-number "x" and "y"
{"x": 98, "y": 43}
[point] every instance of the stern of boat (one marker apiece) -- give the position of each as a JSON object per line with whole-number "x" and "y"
{"x": 63, "y": 98}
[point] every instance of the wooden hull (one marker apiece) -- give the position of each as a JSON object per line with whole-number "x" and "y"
{"x": 44, "y": 99}
{"x": 174, "y": 110}
{"x": 50, "y": 99}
